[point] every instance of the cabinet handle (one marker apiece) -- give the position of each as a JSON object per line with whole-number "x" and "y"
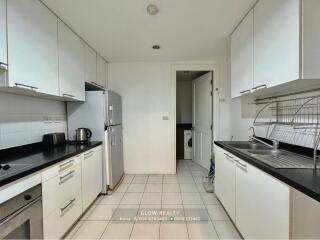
{"x": 245, "y": 91}
{"x": 88, "y": 153}
{"x": 242, "y": 166}
{"x": 66, "y": 177}
{"x": 20, "y": 85}
{"x": 62, "y": 210}
{"x": 230, "y": 158}
{"x": 68, "y": 95}
{"x": 88, "y": 156}
{"x": 66, "y": 165}
{"x": 259, "y": 87}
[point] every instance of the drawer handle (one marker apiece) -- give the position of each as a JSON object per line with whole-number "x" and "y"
{"x": 228, "y": 156}
{"x": 62, "y": 210}
{"x": 88, "y": 153}
{"x": 66, "y": 165}
{"x": 66, "y": 177}
{"x": 242, "y": 166}
{"x": 3, "y": 66}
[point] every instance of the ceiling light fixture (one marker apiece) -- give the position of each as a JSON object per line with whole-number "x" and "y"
{"x": 152, "y": 9}
{"x": 156, "y": 47}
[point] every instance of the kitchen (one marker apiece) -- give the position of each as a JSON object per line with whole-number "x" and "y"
{"x": 88, "y": 119}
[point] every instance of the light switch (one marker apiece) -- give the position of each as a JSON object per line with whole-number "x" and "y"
{"x": 165, "y": 118}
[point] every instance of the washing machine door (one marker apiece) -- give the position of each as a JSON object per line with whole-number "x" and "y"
{"x": 187, "y": 144}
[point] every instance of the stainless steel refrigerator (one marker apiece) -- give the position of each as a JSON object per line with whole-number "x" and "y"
{"x": 102, "y": 114}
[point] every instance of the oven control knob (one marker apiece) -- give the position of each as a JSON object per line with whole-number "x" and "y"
{"x": 5, "y": 167}
{"x": 27, "y": 197}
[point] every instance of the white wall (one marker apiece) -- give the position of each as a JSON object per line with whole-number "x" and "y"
{"x": 146, "y": 89}
{"x": 184, "y": 101}
{"x": 146, "y": 95}
{"x": 24, "y": 120}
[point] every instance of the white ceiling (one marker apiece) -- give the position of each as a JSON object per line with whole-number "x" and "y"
{"x": 121, "y": 30}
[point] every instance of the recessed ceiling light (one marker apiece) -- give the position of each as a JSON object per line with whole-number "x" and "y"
{"x": 152, "y": 9}
{"x": 156, "y": 47}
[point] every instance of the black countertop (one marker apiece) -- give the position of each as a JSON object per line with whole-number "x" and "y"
{"x": 306, "y": 181}
{"x": 39, "y": 157}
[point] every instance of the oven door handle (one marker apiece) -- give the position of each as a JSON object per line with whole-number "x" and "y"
{"x": 19, "y": 211}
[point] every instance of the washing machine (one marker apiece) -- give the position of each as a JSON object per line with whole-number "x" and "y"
{"x": 187, "y": 144}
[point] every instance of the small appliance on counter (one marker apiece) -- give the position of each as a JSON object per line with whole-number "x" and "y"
{"x": 54, "y": 139}
{"x": 83, "y": 135}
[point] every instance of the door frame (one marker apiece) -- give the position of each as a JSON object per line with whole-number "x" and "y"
{"x": 210, "y": 67}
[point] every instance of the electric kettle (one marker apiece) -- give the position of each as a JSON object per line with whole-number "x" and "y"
{"x": 83, "y": 134}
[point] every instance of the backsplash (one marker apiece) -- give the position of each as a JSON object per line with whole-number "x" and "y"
{"x": 24, "y": 120}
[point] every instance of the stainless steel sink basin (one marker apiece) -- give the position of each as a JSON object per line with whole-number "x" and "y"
{"x": 269, "y": 152}
{"x": 248, "y": 145}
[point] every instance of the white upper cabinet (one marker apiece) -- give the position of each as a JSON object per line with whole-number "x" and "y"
{"x": 32, "y": 46}
{"x": 242, "y": 57}
{"x": 286, "y": 48}
{"x": 91, "y": 65}
{"x": 3, "y": 32}
{"x": 276, "y": 42}
{"x": 101, "y": 71}
{"x": 71, "y": 64}
{"x": 311, "y": 39}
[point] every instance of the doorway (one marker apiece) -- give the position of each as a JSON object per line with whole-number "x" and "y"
{"x": 194, "y": 103}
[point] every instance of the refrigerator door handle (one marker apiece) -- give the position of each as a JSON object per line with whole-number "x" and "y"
{"x": 111, "y": 115}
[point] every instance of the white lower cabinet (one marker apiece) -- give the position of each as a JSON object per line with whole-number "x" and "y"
{"x": 262, "y": 204}
{"x": 225, "y": 180}
{"x": 258, "y": 204}
{"x": 61, "y": 219}
{"x": 68, "y": 188}
{"x": 91, "y": 176}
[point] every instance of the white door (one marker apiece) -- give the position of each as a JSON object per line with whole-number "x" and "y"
{"x": 202, "y": 119}
{"x": 32, "y": 46}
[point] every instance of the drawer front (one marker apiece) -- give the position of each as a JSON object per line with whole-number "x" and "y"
{"x": 55, "y": 170}
{"x": 60, "y": 188}
{"x": 62, "y": 218}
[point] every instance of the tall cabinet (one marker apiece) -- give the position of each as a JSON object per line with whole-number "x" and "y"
{"x": 3, "y": 33}
{"x": 101, "y": 72}
{"x": 32, "y": 46}
{"x": 71, "y": 63}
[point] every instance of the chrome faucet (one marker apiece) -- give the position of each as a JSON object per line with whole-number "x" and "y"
{"x": 275, "y": 143}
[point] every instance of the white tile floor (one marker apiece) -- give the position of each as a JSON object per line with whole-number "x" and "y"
{"x": 183, "y": 209}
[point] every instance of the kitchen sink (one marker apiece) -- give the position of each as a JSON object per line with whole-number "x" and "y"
{"x": 249, "y": 145}
{"x": 269, "y": 152}
{"x": 10, "y": 168}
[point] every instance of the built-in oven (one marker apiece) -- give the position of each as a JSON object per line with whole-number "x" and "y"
{"x": 21, "y": 216}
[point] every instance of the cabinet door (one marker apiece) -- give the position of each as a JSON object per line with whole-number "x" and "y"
{"x": 276, "y": 42}
{"x": 91, "y": 65}
{"x": 32, "y": 46}
{"x": 262, "y": 204}
{"x": 3, "y": 32}
{"x": 242, "y": 57}
{"x": 91, "y": 175}
{"x": 71, "y": 64}
{"x": 225, "y": 180}
{"x": 101, "y": 71}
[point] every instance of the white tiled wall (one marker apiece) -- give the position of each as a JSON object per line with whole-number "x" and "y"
{"x": 24, "y": 120}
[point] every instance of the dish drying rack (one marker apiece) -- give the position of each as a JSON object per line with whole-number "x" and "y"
{"x": 297, "y": 113}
